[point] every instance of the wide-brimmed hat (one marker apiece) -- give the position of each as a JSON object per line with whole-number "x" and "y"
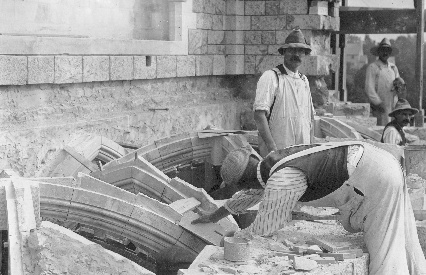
{"x": 402, "y": 105}
{"x": 234, "y": 165}
{"x": 295, "y": 40}
{"x": 384, "y": 44}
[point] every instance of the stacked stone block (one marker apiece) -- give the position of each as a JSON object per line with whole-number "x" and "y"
{"x": 225, "y": 38}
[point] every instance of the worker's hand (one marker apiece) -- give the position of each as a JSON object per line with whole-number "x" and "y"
{"x": 202, "y": 219}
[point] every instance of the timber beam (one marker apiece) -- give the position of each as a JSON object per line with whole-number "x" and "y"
{"x": 354, "y": 20}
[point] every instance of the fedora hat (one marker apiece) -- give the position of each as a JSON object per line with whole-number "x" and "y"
{"x": 384, "y": 44}
{"x": 402, "y": 105}
{"x": 295, "y": 40}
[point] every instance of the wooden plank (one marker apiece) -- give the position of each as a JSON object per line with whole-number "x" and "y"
{"x": 377, "y": 21}
{"x": 184, "y": 205}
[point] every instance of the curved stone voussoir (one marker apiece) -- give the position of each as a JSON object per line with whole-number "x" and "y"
{"x": 78, "y": 154}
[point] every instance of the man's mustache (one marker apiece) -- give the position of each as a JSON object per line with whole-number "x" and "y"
{"x": 406, "y": 121}
{"x": 295, "y": 58}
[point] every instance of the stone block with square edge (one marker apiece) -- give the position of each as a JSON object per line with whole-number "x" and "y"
{"x": 216, "y": 49}
{"x": 265, "y": 62}
{"x": 317, "y": 64}
{"x": 95, "y": 68}
{"x": 272, "y": 7}
{"x": 215, "y": 37}
{"x": 294, "y": 7}
{"x": 234, "y": 49}
{"x": 184, "y": 205}
{"x": 166, "y": 66}
{"x": 249, "y": 64}
{"x": 313, "y": 22}
{"x": 234, "y": 37}
{"x": 187, "y": 238}
{"x": 204, "y": 21}
{"x": 89, "y": 201}
{"x": 14, "y": 70}
{"x": 121, "y": 67}
{"x": 319, "y": 7}
{"x": 41, "y": 69}
{"x": 145, "y": 67}
{"x": 185, "y": 65}
{"x": 92, "y": 184}
{"x": 154, "y": 220}
{"x": 158, "y": 207}
{"x": 267, "y": 23}
{"x": 23, "y": 196}
{"x": 148, "y": 181}
{"x": 254, "y": 8}
{"x": 256, "y": 49}
{"x": 236, "y": 23}
{"x": 198, "y": 6}
{"x": 68, "y": 69}
{"x": 204, "y": 65}
{"x": 235, "y": 7}
{"x": 219, "y": 65}
{"x": 234, "y": 64}
{"x": 197, "y": 41}
{"x": 211, "y": 232}
{"x": 217, "y": 22}
{"x": 252, "y": 37}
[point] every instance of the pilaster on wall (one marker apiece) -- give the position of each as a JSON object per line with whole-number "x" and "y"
{"x": 212, "y": 37}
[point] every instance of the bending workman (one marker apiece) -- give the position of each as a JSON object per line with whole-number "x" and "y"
{"x": 364, "y": 182}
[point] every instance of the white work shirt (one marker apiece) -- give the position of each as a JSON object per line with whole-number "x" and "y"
{"x": 291, "y": 118}
{"x": 379, "y": 88}
{"x": 391, "y": 135}
{"x": 281, "y": 193}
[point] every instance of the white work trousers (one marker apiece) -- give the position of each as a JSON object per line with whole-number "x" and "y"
{"x": 386, "y": 216}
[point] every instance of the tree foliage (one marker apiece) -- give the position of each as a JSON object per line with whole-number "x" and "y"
{"x": 405, "y": 61}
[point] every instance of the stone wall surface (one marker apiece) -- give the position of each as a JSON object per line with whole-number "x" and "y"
{"x": 72, "y": 74}
{"x": 37, "y": 120}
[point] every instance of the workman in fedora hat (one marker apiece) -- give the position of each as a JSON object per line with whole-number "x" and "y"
{"x": 283, "y": 109}
{"x": 379, "y": 81}
{"x": 394, "y": 131}
{"x": 364, "y": 182}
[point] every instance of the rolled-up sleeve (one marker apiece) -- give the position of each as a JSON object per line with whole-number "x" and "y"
{"x": 243, "y": 200}
{"x": 265, "y": 91}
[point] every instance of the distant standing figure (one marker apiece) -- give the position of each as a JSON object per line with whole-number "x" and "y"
{"x": 394, "y": 131}
{"x": 379, "y": 81}
{"x": 283, "y": 109}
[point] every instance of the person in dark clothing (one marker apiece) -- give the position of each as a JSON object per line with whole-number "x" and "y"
{"x": 394, "y": 131}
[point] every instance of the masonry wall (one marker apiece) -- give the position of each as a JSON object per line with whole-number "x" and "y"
{"x": 136, "y": 91}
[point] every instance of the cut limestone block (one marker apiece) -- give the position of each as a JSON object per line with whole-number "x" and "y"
{"x": 184, "y": 205}
{"x": 211, "y": 232}
{"x": 319, "y": 7}
{"x": 302, "y": 263}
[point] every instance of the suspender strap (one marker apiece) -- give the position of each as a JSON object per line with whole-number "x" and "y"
{"x": 280, "y": 68}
